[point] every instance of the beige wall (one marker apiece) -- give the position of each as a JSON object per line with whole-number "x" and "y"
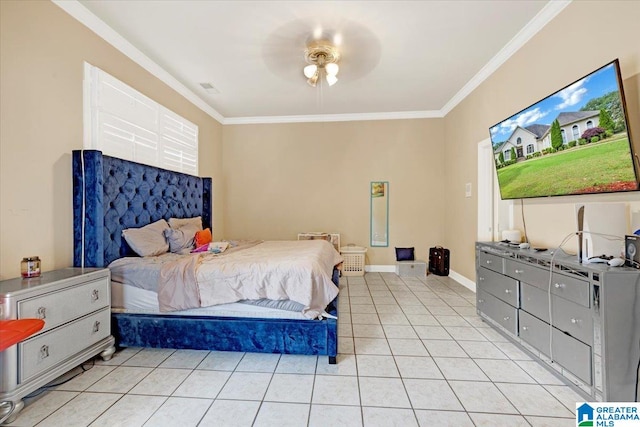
{"x": 585, "y": 36}
{"x": 42, "y": 50}
{"x": 282, "y": 179}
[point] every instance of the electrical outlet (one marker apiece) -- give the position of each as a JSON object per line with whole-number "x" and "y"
{"x": 467, "y": 189}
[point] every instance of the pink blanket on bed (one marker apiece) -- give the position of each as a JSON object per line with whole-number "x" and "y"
{"x": 279, "y": 270}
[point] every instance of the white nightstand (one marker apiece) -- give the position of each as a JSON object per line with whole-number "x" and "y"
{"x": 75, "y": 304}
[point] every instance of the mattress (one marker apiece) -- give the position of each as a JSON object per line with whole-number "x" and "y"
{"x": 131, "y": 299}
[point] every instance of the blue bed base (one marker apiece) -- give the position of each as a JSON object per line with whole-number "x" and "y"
{"x": 110, "y": 195}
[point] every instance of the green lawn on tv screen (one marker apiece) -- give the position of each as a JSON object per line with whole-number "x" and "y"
{"x": 603, "y": 166}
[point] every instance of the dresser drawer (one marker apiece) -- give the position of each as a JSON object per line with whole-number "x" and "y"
{"x": 490, "y": 261}
{"x": 573, "y": 355}
{"x": 503, "y": 287}
{"x": 499, "y": 311}
{"x": 572, "y": 318}
{"x": 46, "y": 350}
{"x": 567, "y": 287}
{"x": 57, "y": 308}
{"x": 572, "y": 289}
{"x": 534, "y": 331}
{"x": 535, "y": 301}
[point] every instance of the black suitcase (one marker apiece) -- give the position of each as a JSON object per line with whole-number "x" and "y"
{"x": 439, "y": 261}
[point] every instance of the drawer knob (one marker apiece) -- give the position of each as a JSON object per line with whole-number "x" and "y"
{"x": 44, "y": 352}
{"x": 481, "y": 279}
{"x": 519, "y": 271}
{"x": 42, "y": 313}
{"x": 96, "y": 326}
{"x": 574, "y": 321}
{"x": 95, "y": 295}
{"x": 480, "y": 301}
{"x": 525, "y": 328}
{"x": 559, "y": 285}
{"x": 507, "y": 291}
{"x": 505, "y": 318}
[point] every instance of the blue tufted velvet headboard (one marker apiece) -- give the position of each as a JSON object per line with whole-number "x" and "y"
{"x": 110, "y": 195}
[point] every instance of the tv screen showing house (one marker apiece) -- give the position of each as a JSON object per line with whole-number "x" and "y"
{"x": 575, "y": 141}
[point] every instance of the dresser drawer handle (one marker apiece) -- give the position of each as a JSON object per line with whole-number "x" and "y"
{"x": 507, "y": 291}
{"x": 559, "y": 285}
{"x": 42, "y": 313}
{"x": 574, "y": 321}
{"x": 480, "y": 301}
{"x": 481, "y": 279}
{"x": 525, "y": 328}
{"x": 95, "y": 295}
{"x": 505, "y": 318}
{"x": 44, "y": 352}
{"x": 489, "y": 262}
{"x": 96, "y": 326}
{"x": 519, "y": 271}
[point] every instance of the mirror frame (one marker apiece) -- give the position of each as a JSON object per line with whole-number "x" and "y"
{"x": 372, "y": 242}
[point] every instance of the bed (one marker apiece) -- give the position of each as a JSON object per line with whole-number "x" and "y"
{"x": 111, "y": 195}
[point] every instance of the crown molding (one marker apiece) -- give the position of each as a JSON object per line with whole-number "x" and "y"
{"x": 98, "y": 26}
{"x": 543, "y": 17}
{"x": 95, "y": 24}
{"x": 400, "y": 115}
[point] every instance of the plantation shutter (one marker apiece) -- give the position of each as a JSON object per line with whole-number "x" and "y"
{"x": 121, "y": 122}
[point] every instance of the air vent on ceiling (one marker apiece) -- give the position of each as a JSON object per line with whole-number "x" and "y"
{"x": 209, "y": 88}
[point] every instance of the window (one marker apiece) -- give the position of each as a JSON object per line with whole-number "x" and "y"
{"x": 122, "y": 122}
{"x": 576, "y": 132}
{"x": 589, "y": 124}
{"x": 507, "y": 155}
{"x": 519, "y": 141}
{"x": 564, "y": 136}
{"x": 530, "y": 149}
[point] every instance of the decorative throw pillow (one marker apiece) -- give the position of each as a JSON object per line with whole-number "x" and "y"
{"x": 178, "y": 223}
{"x": 203, "y": 237}
{"x": 148, "y": 240}
{"x": 181, "y": 240}
{"x": 405, "y": 254}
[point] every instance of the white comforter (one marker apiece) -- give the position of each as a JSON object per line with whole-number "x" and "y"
{"x": 296, "y": 270}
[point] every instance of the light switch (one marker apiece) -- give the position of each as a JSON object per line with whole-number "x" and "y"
{"x": 467, "y": 189}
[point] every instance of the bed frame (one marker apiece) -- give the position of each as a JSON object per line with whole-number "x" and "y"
{"x": 111, "y": 194}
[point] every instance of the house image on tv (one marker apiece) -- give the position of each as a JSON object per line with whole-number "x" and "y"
{"x": 536, "y": 137}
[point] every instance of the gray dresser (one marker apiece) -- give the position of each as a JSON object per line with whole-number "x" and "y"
{"x": 75, "y": 304}
{"x": 581, "y": 320}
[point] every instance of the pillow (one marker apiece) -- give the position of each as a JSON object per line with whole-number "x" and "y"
{"x": 178, "y": 223}
{"x": 405, "y": 254}
{"x": 182, "y": 239}
{"x": 203, "y": 237}
{"x": 148, "y": 240}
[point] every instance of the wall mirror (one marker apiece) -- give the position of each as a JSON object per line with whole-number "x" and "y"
{"x": 379, "y": 213}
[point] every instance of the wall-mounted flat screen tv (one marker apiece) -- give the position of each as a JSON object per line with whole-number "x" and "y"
{"x": 575, "y": 141}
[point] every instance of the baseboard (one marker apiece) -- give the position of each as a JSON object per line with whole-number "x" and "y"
{"x": 470, "y": 284}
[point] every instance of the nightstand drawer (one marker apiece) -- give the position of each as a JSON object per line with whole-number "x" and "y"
{"x": 57, "y": 308}
{"x": 46, "y": 350}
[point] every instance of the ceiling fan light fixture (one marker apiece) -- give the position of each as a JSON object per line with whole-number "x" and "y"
{"x": 310, "y": 70}
{"x": 321, "y": 57}
{"x": 331, "y": 68}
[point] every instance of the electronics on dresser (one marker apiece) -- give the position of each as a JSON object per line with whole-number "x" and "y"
{"x": 600, "y": 229}
{"x": 632, "y": 250}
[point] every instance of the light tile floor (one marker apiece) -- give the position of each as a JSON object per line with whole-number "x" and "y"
{"x": 412, "y": 353}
